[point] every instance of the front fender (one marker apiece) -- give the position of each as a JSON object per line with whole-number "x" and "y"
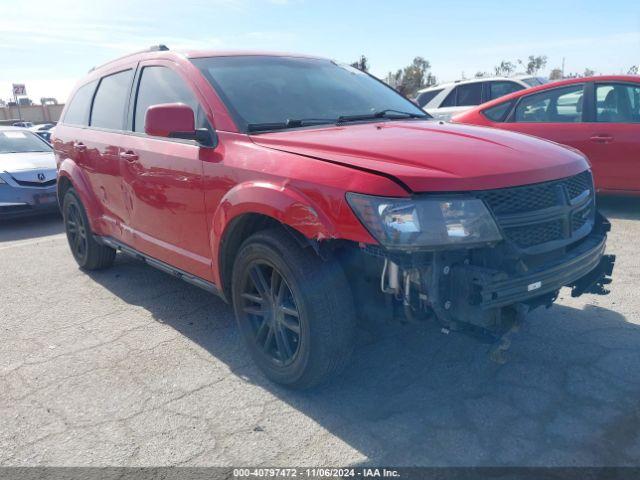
{"x": 282, "y": 203}
{"x": 285, "y": 204}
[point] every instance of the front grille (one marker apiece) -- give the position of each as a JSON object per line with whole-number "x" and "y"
{"x": 48, "y": 183}
{"x": 530, "y": 235}
{"x": 506, "y": 201}
{"x": 520, "y": 199}
{"x": 578, "y": 184}
{"x": 535, "y": 215}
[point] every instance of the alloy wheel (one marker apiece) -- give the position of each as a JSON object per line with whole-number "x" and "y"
{"x": 76, "y": 231}
{"x": 269, "y": 305}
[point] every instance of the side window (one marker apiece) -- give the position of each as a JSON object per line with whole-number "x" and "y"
{"x": 500, "y": 89}
{"x": 498, "y": 112}
{"x": 450, "y": 101}
{"x": 160, "y": 85}
{"x": 617, "y": 103}
{"x": 560, "y": 105}
{"x": 469, "y": 94}
{"x": 78, "y": 109}
{"x": 426, "y": 97}
{"x": 111, "y": 100}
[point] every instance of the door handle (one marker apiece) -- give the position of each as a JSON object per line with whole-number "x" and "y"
{"x": 602, "y": 138}
{"x": 129, "y": 156}
{"x": 79, "y": 146}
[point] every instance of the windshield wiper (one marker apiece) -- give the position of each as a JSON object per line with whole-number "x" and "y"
{"x": 289, "y": 123}
{"x": 389, "y": 113}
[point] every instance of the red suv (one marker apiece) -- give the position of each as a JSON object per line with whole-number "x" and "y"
{"x": 309, "y": 194}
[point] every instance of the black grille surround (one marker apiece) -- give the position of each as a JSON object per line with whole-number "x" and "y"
{"x": 541, "y": 217}
{"x": 24, "y": 183}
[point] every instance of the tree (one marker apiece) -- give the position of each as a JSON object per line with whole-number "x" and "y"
{"x": 412, "y": 78}
{"x": 556, "y": 74}
{"x": 361, "y": 64}
{"x": 588, "y": 72}
{"x": 505, "y": 68}
{"x": 633, "y": 70}
{"x": 481, "y": 74}
{"x": 534, "y": 63}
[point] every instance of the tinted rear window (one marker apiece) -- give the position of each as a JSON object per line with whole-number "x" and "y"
{"x": 558, "y": 105}
{"x": 470, "y": 94}
{"x": 500, "y": 89}
{"x": 426, "y": 97}
{"x": 110, "y": 101}
{"x": 78, "y": 109}
{"x": 498, "y": 112}
{"x": 534, "y": 81}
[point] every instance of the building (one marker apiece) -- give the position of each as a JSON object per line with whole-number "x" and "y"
{"x": 30, "y": 113}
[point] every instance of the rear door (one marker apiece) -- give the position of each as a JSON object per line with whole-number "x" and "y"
{"x": 88, "y": 134}
{"x": 101, "y": 147}
{"x": 614, "y": 135}
{"x": 163, "y": 177}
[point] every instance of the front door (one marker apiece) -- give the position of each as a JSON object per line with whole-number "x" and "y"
{"x": 163, "y": 180}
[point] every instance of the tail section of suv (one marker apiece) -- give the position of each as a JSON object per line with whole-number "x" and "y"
{"x": 308, "y": 194}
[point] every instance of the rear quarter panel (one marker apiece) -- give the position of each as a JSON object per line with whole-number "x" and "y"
{"x": 69, "y": 168}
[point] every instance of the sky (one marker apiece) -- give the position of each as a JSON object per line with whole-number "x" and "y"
{"x": 50, "y": 44}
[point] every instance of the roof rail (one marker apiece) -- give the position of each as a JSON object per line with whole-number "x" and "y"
{"x": 154, "y": 48}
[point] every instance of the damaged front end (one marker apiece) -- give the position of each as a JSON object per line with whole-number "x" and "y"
{"x": 478, "y": 262}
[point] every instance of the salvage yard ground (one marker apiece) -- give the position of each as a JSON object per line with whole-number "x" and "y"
{"x": 130, "y": 366}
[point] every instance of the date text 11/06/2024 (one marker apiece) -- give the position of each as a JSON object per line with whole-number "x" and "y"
{"x": 316, "y": 472}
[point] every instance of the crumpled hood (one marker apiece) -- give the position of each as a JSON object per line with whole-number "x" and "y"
{"x": 434, "y": 156}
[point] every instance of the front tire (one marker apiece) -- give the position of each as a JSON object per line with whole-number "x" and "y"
{"x": 294, "y": 310}
{"x": 88, "y": 253}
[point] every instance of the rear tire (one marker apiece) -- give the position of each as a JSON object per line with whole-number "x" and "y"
{"x": 88, "y": 253}
{"x": 294, "y": 310}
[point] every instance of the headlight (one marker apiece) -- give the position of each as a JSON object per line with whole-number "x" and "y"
{"x": 435, "y": 222}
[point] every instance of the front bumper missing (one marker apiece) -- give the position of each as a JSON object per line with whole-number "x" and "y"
{"x": 586, "y": 269}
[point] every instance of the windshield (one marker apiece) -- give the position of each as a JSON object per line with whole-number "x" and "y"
{"x": 293, "y": 92}
{"x": 17, "y": 141}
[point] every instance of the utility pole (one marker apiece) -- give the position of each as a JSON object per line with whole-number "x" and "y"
{"x": 19, "y": 89}
{"x": 562, "y": 67}
{"x": 15, "y": 97}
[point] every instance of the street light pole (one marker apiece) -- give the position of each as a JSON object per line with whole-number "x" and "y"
{"x": 15, "y": 97}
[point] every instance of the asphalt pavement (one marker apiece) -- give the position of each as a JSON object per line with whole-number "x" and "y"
{"x": 131, "y": 367}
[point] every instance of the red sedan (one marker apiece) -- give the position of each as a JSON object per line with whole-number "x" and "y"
{"x": 600, "y": 116}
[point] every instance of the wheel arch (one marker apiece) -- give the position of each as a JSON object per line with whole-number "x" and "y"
{"x": 249, "y": 208}
{"x": 72, "y": 176}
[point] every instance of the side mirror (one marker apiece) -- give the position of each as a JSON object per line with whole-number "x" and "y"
{"x": 175, "y": 120}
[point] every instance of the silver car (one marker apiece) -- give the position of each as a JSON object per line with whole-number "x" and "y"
{"x": 27, "y": 174}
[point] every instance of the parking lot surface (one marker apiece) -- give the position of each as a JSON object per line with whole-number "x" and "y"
{"x": 130, "y": 366}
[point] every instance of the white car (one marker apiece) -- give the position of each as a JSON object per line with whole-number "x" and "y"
{"x": 445, "y": 100}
